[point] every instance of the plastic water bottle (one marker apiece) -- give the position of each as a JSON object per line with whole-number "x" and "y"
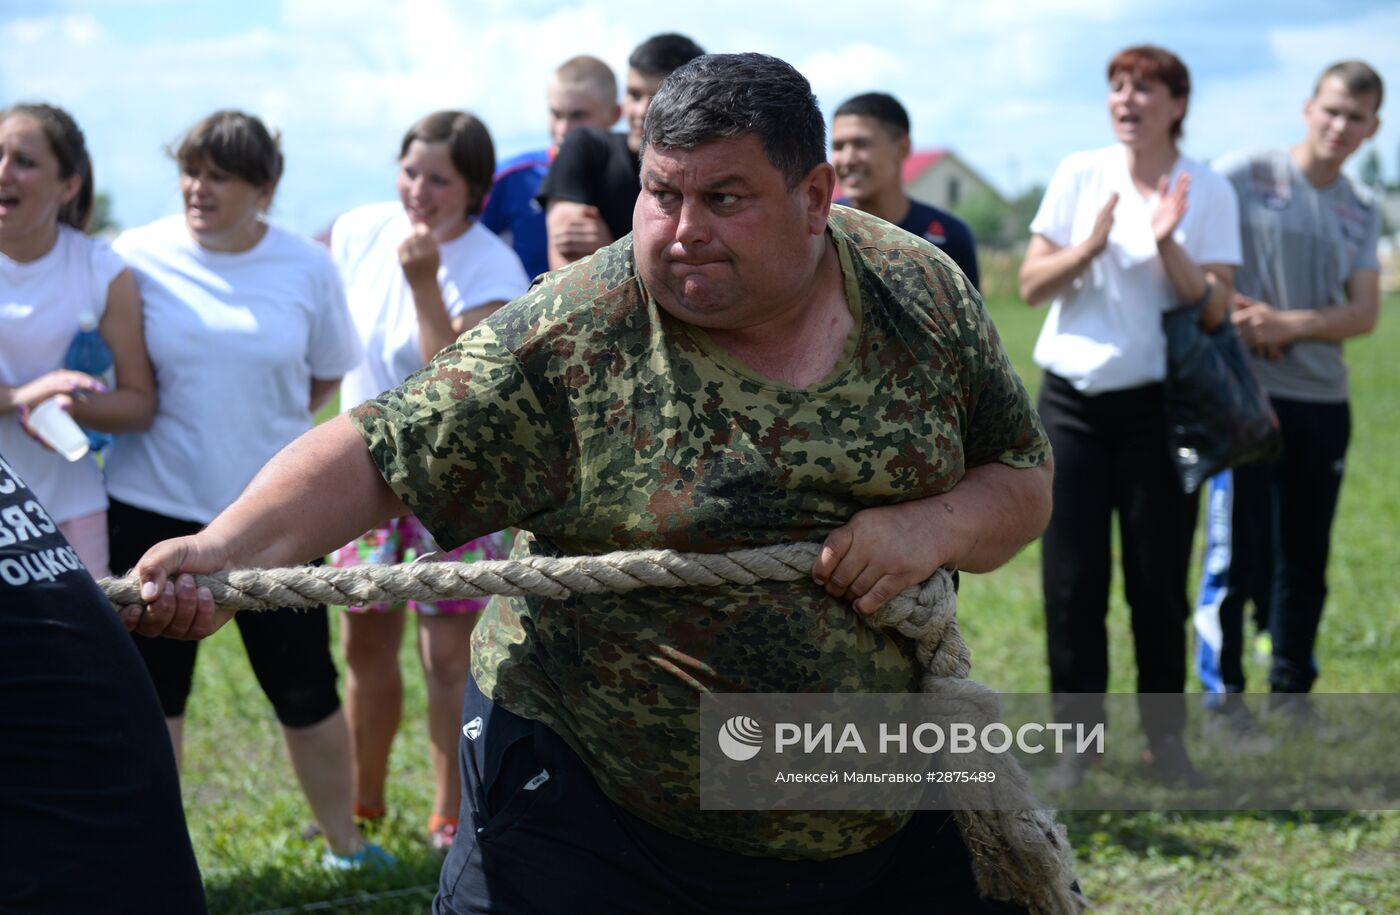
{"x": 89, "y": 353}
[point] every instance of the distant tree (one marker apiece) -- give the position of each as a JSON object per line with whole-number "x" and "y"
{"x": 101, "y": 214}
{"x": 987, "y": 215}
{"x": 1023, "y": 210}
{"x": 1371, "y": 170}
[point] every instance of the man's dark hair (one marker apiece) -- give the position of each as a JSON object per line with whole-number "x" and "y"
{"x": 1358, "y": 78}
{"x": 661, "y": 55}
{"x": 882, "y": 107}
{"x": 722, "y": 96}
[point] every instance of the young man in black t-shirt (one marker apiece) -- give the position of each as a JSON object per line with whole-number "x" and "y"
{"x": 90, "y": 815}
{"x": 869, "y": 143}
{"x": 592, "y": 184}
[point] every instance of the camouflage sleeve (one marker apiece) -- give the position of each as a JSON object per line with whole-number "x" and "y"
{"x": 1002, "y": 422}
{"x": 470, "y": 443}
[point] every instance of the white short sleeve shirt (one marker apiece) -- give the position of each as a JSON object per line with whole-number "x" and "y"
{"x": 1104, "y": 332}
{"x": 476, "y": 268}
{"x": 235, "y": 340}
{"x": 40, "y": 304}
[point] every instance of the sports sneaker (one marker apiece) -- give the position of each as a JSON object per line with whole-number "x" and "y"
{"x": 1301, "y": 719}
{"x": 1070, "y": 770}
{"x": 1232, "y": 727}
{"x": 1169, "y": 763}
{"x": 441, "y": 838}
{"x": 369, "y": 858}
{"x": 365, "y": 817}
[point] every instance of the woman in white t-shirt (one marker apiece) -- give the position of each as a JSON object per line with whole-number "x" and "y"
{"x": 248, "y": 330}
{"x": 1123, "y": 234}
{"x": 417, "y": 272}
{"x": 52, "y": 276}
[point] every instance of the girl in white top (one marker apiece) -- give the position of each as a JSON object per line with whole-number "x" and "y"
{"x": 1123, "y": 234}
{"x": 249, "y": 334}
{"x": 417, "y": 273}
{"x": 51, "y": 276}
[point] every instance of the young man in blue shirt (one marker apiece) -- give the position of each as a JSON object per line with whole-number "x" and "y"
{"x": 582, "y": 93}
{"x": 869, "y": 143}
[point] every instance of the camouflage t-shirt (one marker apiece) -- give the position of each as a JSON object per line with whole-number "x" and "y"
{"x": 585, "y": 415}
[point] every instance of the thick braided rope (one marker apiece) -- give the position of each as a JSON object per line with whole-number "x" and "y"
{"x": 1019, "y": 856}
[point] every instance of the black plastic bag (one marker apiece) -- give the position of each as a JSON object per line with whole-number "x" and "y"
{"x": 1218, "y": 414}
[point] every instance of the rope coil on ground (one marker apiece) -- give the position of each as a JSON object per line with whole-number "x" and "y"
{"x": 1019, "y": 856}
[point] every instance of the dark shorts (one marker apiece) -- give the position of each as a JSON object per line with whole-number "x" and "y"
{"x": 289, "y": 650}
{"x": 539, "y": 836}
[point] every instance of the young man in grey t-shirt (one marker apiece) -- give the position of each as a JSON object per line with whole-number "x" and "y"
{"x": 1310, "y": 280}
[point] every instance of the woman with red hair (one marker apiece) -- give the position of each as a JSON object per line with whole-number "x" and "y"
{"x": 1123, "y": 234}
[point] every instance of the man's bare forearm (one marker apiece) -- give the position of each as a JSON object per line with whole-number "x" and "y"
{"x": 976, "y": 526}
{"x": 1356, "y": 317}
{"x": 1264, "y": 327}
{"x": 992, "y": 513}
{"x": 317, "y": 494}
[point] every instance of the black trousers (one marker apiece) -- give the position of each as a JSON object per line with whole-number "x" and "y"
{"x": 1303, "y": 487}
{"x": 289, "y": 650}
{"x": 538, "y": 837}
{"x": 1111, "y": 458}
{"x": 1278, "y": 544}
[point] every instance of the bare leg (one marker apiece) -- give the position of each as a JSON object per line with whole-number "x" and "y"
{"x": 444, "y": 644}
{"x": 373, "y": 697}
{"x": 88, "y": 537}
{"x": 321, "y": 758}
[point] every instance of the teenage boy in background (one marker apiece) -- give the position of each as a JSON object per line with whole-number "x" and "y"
{"x": 582, "y": 93}
{"x": 1310, "y": 280}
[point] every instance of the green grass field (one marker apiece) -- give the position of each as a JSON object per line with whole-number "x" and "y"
{"x": 246, "y": 814}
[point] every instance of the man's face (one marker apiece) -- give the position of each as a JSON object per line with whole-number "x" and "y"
{"x": 577, "y": 105}
{"x": 720, "y": 241}
{"x": 867, "y": 157}
{"x": 1338, "y": 122}
{"x": 635, "y": 102}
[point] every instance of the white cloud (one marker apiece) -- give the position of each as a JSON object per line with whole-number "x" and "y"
{"x": 831, "y": 71}
{"x": 1372, "y": 37}
{"x": 1012, "y": 86}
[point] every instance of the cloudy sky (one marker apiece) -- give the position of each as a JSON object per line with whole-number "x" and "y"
{"x": 1011, "y": 85}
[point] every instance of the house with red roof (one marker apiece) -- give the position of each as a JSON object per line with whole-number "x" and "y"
{"x": 939, "y": 178}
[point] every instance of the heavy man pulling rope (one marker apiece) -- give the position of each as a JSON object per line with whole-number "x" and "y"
{"x": 751, "y": 366}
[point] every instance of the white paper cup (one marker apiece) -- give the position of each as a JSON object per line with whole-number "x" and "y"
{"x": 58, "y": 430}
